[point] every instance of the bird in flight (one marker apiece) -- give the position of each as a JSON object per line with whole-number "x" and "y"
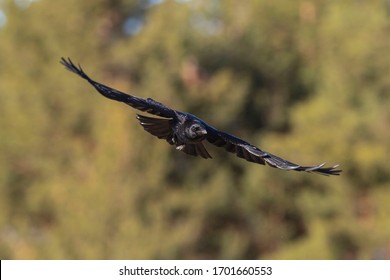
{"x": 187, "y": 132}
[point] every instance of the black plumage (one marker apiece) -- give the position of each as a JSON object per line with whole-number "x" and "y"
{"x": 187, "y": 132}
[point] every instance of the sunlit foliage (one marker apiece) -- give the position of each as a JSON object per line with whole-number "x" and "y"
{"x": 307, "y": 80}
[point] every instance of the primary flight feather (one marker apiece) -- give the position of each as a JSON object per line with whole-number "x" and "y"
{"x": 187, "y": 132}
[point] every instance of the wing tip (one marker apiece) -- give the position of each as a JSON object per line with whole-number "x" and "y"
{"x": 69, "y": 65}
{"x": 332, "y": 170}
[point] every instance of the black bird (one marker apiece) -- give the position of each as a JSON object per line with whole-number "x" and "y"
{"x": 187, "y": 132}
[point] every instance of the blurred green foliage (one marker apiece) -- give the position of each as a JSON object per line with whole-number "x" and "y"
{"x": 307, "y": 80}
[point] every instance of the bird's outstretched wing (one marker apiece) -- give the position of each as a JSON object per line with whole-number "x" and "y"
{"x": 147, "y": 105}
{"x": 251, "y": 153}
{"x": 161, "y": 128}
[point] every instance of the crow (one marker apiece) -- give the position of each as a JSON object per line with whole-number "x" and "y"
{"x": 187, "y": 132}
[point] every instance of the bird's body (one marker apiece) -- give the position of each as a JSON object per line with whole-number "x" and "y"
{"x": 187, "y": 132}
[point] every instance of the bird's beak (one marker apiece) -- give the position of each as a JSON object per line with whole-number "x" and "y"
{"x": 203, "y": 131}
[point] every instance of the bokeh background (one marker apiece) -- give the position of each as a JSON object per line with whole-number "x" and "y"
{"x": 307, "y": 80}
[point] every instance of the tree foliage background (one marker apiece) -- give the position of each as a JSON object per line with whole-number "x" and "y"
{"x": 307, "y": 80}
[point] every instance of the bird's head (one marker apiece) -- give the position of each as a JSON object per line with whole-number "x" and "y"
{"x": 196, "y": 132}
